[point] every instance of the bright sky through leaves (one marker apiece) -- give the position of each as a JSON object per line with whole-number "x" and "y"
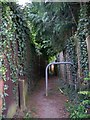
{"x": 22, "y": 2}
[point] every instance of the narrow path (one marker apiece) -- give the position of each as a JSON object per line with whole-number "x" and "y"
{"x": 52, "y": 106}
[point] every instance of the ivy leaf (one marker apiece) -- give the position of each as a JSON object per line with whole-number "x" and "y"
{"x": 5, "y": 94}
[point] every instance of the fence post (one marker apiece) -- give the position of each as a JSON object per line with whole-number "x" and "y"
{"x": 22, "y": 92}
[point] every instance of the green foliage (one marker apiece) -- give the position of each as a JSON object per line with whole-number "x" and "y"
{"x": 28, "y": 115}
{"x": 80, "y": 109}
{"x": 45, "y": 27}
{"x": 77, "y": 111}
{"x": 71, "y": 50}
{"x": 49, "y": 27}
{"x": 13, "y": 44}
{"x": 85, "y": 93}
{"x": 82, "y": 32}
{"x": 86, "y": 102}
{"x": 86, "y": 79}
{"x": 84, "y": 24}
{"x": 52, "y": 59}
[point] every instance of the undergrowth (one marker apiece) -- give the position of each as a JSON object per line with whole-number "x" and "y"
{"x": 79, "y": 102}
{"x": 28, "y": 115}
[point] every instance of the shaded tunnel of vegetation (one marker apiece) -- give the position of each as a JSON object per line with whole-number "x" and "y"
{"x": 39, "y": 33}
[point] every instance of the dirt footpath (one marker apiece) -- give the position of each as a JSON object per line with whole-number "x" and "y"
{"x": 52, "y": 106}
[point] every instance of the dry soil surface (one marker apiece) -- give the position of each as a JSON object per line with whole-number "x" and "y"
{"x": 52, "y": 106}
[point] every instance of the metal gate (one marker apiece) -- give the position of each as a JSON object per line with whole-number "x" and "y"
{"x": 46, "y": 71}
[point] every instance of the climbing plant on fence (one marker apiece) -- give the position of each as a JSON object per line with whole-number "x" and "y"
{"x": 13, "y": 44}
{"x": 7, "y": 40}
{"x": 76, "y": 47}
{"x": 82, "y": 32}
{"x": 17, "y": 53}
{"x": 81, "y": 107}
{"x": 72, "y": 56}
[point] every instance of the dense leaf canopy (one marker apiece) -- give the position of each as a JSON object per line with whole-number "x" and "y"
{"x": 50, "y": 24}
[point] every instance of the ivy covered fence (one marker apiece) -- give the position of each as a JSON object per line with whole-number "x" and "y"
{"x": 32, "y": 36}
{"x": 19, "y": 60}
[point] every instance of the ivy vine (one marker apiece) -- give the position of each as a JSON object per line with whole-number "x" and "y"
{"x": 82, "y": 32}
{"x": 13, "y": 45}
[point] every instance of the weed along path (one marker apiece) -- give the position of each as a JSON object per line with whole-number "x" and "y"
{"x": 52, "y": 106}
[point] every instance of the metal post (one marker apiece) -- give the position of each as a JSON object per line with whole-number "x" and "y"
{"x": 46, "y": 72}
